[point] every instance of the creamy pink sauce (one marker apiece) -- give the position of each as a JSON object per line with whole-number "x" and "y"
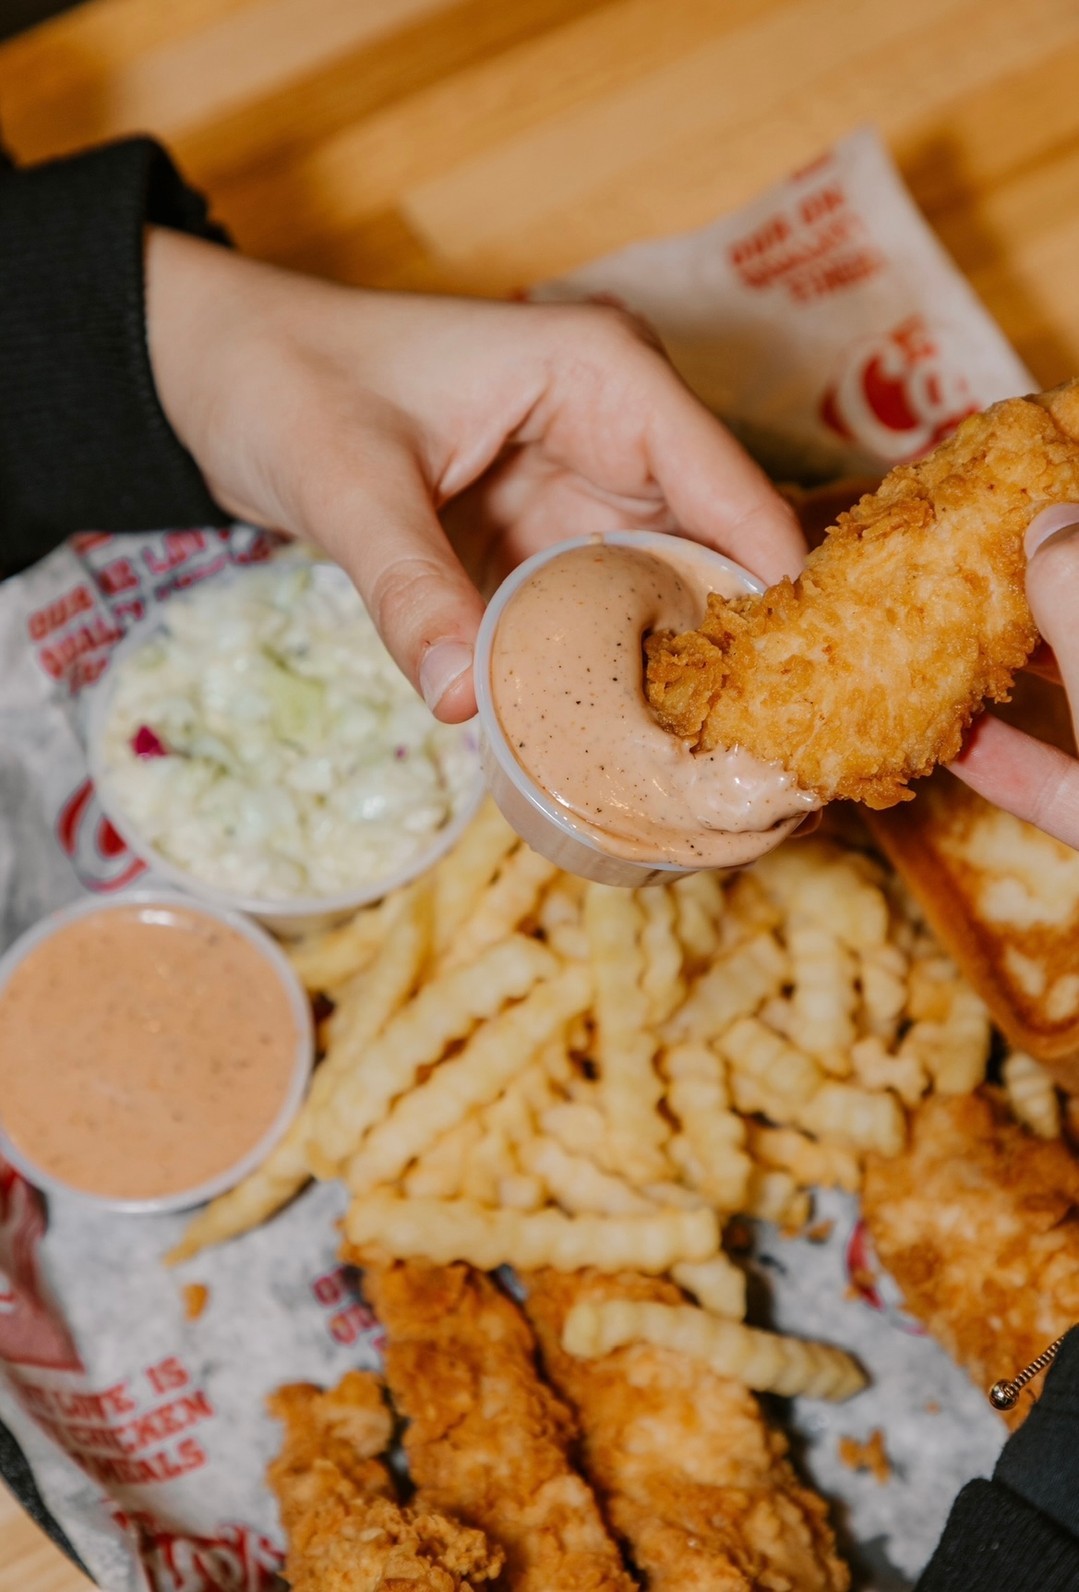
{"x": 567, "y": 683}
{"x": 143, "y": 1051}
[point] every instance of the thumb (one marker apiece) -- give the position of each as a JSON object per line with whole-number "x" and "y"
{"x": 1052, "y": 547}
{"x": 385, "y": 533}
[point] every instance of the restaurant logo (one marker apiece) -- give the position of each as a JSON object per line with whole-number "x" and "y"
{"x": 897, "y": 396}
{"x": 238, "y": 1559}
{"x": 101, "y": 857}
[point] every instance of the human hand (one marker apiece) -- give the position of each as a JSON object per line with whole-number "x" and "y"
{"x": 1034, "y": 781}
{"x": 354, "y": 419}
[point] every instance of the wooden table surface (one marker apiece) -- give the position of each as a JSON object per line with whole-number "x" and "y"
{"x": 476, "y": 145}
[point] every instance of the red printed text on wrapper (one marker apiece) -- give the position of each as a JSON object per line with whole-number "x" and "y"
{"x": 899, "y": 395}
{"x": 237, "y": 1559}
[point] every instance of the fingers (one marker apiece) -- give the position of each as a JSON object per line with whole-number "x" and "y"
{"x": 1052, "y": 545}
{"x": 1026, "y": 777}
{"x": 1034, "y": 781}
{"x": 615, "y": 410}
{"x": 379, "y": 523}
{"x": 716, "y": 492}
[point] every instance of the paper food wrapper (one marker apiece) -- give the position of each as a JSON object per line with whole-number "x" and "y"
{"x": 823, "y": 321}
{"x": 826, "y": 319}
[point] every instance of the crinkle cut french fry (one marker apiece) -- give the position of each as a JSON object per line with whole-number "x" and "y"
{"x": 874, "y": 1067}
{"x": 699, "y": 908}
{"x": 578, "y": 1184}
{"x": 764, "y": 1361}
{"x": 570, "y": 941}
{"x": 328, "y": 960}
{"x": 717, "y": 1285}
{"x": 882, "y": 974}
{"x": 1032, "y": 1095}
{"x": 809, "y": 1162}
{"x": 374, "y": 995}
{"x": 447, "y": 1230}
{"x": 377, "y": 992}
{"x": 778, "y": 1014}
{"x": 842, "y": 889}
{"x": 264, "y": 1191}
{"x": 581, "y": 1128}
{"x": 825, "y": 994}
{"x": 661, "y": 980}
{"x": 560, "y": 903}
{"x": 855, "y": 1117}
{"x": 491, "y": 1057}
{"x": 748, "y": 903}
{"x": 462, "y": 876}
{"x": 767, "y": 1073}
{"x": 629, "y": 1088}
{"x": 444, "y": 1010}
{"x": 732, "y": 988}
{"x": 439, "y": 1173}
{"x": 955, "y": 1050}
{"x": 503, "y": 907}
{"x": 714, "y": 1136}
{"x": 773, "y": 1195}
{"x": 515, "y": 1111}
{"x": 931, "y": 979}
{"x": 485, "y": 1169}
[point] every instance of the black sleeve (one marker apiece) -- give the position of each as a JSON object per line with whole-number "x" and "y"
{"x": 1020, "y": 1531}
{"x": 84, "y": 442}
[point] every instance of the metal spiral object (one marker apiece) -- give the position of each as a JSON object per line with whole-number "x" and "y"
{"x": 1002, "y": 1395}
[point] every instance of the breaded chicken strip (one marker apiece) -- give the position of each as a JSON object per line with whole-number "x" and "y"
{"x": 866, "y": 671}
{"x": 978, "y": 1222}
{"x": 346, "y": 1531}
{"x": 692, "y": 1477}
{"x": 487, "y": 1440}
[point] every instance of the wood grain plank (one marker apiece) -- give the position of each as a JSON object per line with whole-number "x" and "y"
{"x": 284, "y": 124}
{"x": 366, "y": 169}
{"x": 245, "y": 52}
{"x": 703, "y": 135}
{"x": 29, "y": 1562}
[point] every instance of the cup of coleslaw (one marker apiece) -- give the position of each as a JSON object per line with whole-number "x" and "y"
{"x": 255, "y": 744}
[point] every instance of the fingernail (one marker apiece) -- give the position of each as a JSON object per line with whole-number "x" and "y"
{"x": 1050, "y": 523}
{"x": 440, "y": 666}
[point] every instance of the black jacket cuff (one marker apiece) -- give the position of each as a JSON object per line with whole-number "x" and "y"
{"x": 994, "y": 1542}
{"x": 84, "y": 442}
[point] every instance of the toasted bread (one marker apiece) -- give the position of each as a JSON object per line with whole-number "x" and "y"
{"x": 1002, "y": 897}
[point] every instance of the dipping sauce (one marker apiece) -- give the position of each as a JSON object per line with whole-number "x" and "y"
{"x": 567, "y": 685}
{"x": 145, "y": 1049}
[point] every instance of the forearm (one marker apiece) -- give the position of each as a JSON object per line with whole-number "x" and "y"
{"x": 84, "y": 441}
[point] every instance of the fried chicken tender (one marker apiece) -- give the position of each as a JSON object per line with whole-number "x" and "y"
{"x": 487, "y": 1440}
{"x": 866, "y": 671}
{"x": 978, "y": 1222}
{"x": 346, "y": 1531}
{"x": 691, "y": 1476}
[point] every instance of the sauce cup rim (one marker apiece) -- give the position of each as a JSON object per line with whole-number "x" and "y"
{"x": 303, "y": 1062}
{"x": 548, "y": 813}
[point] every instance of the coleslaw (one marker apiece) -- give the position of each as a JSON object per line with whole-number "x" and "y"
{"x": 264, "y": 741}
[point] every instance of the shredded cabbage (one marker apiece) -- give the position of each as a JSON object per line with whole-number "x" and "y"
{"x": 266, "y": 742}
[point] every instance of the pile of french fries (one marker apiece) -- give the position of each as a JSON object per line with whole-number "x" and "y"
{"x": 524, "y": 1068}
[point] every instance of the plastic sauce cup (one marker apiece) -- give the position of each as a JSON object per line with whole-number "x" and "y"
{"x": 541, "y": 821}
{"x": 157, "y": 906}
